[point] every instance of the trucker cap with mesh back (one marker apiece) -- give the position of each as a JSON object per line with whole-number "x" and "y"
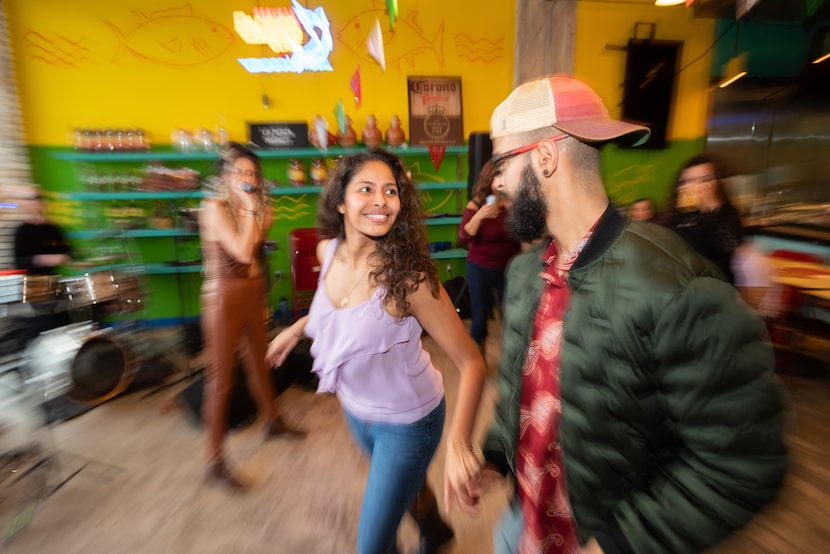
{"x": 566, "y": 104}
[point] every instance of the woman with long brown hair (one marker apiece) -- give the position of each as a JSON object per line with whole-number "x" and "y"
{"x": 378, "y": 292}
{"x": 232, "y": 226}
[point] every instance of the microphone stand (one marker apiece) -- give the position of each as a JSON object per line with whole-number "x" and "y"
{"x": 175, "y": 207}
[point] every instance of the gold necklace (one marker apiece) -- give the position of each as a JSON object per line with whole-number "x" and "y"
{"x": 347, "y": 298}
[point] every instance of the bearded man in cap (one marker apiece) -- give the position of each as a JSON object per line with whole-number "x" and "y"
{"x": 638, "y": 410}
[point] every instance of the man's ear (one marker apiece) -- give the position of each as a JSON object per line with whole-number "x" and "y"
{"x": 548, "y": 157}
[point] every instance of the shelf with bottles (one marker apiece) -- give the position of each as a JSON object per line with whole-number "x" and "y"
{"x": 143, "y": 269}
{"x": 119, "y": 175}
{"x": 118, "y": 250}
{"x": 164, "y": 154}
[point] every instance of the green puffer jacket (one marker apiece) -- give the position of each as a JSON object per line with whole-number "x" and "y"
{"x": 671, "y": 415}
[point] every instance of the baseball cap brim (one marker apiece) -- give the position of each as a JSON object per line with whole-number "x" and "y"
{"x": 605, "y": 130}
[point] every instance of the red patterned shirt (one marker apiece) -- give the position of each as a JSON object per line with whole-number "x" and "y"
{"x": 541, "y": 480}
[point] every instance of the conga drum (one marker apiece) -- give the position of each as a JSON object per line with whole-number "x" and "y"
{"x": 80, "y": 362}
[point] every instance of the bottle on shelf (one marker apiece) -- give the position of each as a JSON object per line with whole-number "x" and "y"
{"x": 319, "y": 172}
{"x": 98, "y": 140}
{"x": 371, "y": 134}
{"x": 142, "y": 143}
{"x": 78, "y": 139}
{"x": 119, "y": 140}
{"x": 204, "y": 139}
{"x": 395, "y": 135}
{"x": 182, "y": 140}
{"x": 109, "y": 140}
{"x": 222, "y": 137}
{"x": 296, "y": 173}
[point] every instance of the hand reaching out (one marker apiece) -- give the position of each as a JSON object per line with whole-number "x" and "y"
{"x": 281, "y": 347}
{"x": 460, "y": 468}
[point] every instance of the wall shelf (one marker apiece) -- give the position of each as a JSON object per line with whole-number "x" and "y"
{"x": 454, "y": 185}
{"x": 111, "y": 202}
{"x": 176, "y": 195}
{"x": 131, "y": 233}
{"x": 134, "y": 195}
{"x": 177, "y": 156}
{"x": 144, "y": 269}
{"x": 453, "y": 253}
{"x": 443, "y": 220}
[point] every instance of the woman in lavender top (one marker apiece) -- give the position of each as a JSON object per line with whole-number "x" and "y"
{"x": 378, "y": 290}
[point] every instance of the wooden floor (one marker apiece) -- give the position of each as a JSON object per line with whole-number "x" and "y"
{"x": 130, "y": 480}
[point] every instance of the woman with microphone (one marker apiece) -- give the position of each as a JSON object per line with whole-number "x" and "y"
{"x": 232, "y": 227}
{"x": 490, "y": 248}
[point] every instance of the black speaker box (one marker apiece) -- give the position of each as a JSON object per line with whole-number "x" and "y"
{"x": 480, "y": 149}
{"x": 650, "y": 67}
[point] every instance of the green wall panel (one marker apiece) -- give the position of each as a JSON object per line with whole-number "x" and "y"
{"x": 87, "y": 197}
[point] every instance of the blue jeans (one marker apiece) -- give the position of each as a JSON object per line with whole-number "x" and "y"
{"x": 482, "y": 282}
{"x": 399, "y": 457}
{"x": 509, "y": 529}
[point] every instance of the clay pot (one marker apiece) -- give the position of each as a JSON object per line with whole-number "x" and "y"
{"x": 371, "y": 134}
{"x": 394, "y": 134}
{"x": 347, "y": 139}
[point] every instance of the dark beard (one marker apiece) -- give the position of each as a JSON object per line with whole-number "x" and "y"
{"x": 527, "y": 217}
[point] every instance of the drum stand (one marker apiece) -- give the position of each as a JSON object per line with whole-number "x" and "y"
{"x": 27, "y": 451}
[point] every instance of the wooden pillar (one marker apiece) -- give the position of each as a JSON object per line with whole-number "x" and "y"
{"x": 545, "y": 31}
{"x": 15, "y": 169}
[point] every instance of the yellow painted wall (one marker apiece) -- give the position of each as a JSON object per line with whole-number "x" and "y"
{"x": 601, "y": 23}
{"x": 164, "y": 64}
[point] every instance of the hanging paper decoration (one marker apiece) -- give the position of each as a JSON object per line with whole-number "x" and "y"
{"x": 322, "y": 132}
{"x": 374, "y": 43}
{"x": 355, "y": 83}
{"x": 340, "y": 114}
{"x": 392, "y": 8}
{"x": 436, "y": 153}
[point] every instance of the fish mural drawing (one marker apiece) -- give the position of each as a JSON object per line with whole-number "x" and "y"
{"x": 402, "y": 45}
{"x": 479, "y": 49}
{"x": 174, "y": 37}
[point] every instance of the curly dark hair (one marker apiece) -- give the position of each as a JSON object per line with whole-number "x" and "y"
{"x": 403, "y": 253}
{"x": 484, "y": 185}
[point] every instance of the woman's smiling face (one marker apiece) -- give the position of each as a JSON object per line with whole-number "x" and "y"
{"x": 371, "y": 202}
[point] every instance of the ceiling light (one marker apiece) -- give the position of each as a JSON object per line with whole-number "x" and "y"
{"x": 669, "y": 2}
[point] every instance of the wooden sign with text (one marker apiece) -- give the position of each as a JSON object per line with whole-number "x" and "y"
{"x": 435, "y": 115}
{"x": 278, "y": 134}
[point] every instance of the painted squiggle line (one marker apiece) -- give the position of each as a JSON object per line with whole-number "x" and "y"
{"x": 474, "y": 40}
{"x": 58, "y": 51}
{"x": 480, "y": 58}
{"x": 482, "y": 50}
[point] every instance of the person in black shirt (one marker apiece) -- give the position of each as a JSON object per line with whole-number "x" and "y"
{"x": 39, "y": 246}
{"x": 699, "y": 211}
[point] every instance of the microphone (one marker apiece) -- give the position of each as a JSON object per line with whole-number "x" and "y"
{"x": 249, "y": 188}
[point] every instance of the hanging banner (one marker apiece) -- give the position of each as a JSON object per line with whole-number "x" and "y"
{"x": 435, "y": 115}
{"x": 436, "y": 154}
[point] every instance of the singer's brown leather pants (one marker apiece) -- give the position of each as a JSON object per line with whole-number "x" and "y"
{"x": 233, "y": 316}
